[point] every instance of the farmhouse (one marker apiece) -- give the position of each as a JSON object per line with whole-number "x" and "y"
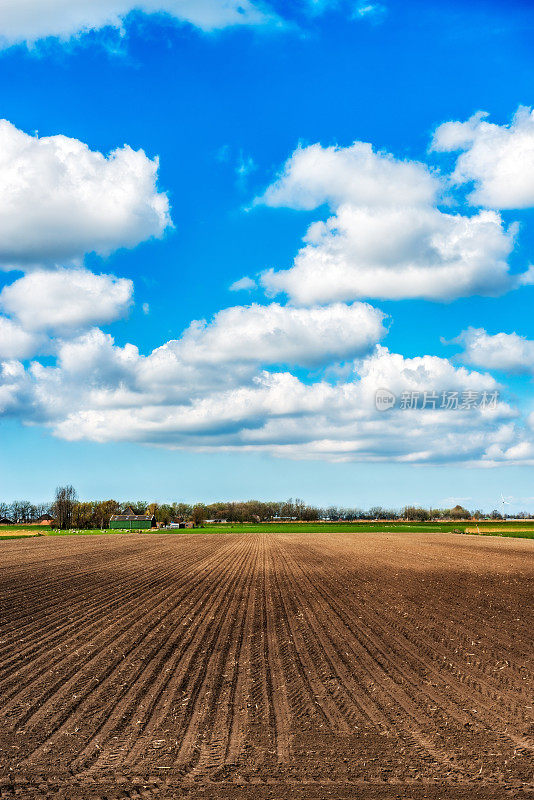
{"x": 132, "y": 522}
{"x": 5, "y": 521}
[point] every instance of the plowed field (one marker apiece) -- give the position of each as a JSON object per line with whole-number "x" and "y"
{"x": 308, "y": 666}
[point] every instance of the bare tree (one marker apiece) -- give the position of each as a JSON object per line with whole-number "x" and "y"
{"x": 64, "y": 506}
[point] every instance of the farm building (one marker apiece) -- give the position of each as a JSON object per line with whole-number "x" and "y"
{"x": 45, "y": 519}
{"x": 132, "y": 522}
{"x": 5, "y": 521}
{"x": 181, "y": 525}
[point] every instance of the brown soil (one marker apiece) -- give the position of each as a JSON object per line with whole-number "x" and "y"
{"x": 300, "y": 666}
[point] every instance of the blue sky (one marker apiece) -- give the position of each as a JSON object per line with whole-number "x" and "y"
{"x": 223, "y": 111}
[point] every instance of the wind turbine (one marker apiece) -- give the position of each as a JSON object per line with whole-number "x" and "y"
{"x": 504, "y": 503}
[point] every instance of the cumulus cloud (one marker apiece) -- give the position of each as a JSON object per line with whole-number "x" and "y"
{"x": 280, "y": 334}
{"x": 101, "y": 392}
{"x": 60, "y": 200}
{"x": 15, "y": 342}
{"x": 244, "y": 284}
{"x": 95, "y": 355}
{"x": 226, "y": 383}
{"x": 387, "y": 237}
{"x": 65, "y": 300}
{"x": 229, "y": 350}
{"x": 498, "y": 159}
{"x": 223, "y": 354}
{"x": 357, "y": 175}
{"x": 503, "y": 351}
{"x": 31, "y": 20}
{"x": 16, "y": 391}
{"x": 398, "y": 253}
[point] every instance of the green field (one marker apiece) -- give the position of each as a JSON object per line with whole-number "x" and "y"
{"x": 523, "y": 529}
{"x": 22, "y": 527}
{"x": 526, "y": 532}
{"x": 29, "y": 531}
{"x": 336, "y": 527}
{"x": 509, "y": 534}
{"x": 46, "y": 530}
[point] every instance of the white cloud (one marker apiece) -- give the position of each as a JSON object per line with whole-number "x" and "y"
{"x": 228, "y": 351}
{"x": 15, "y": 342}
{"x": 503, "y": 351}
{"x": 244, "y": 284}
{"x": 31, "y": 20}
{"x": 66, "y": 299}
{"x": 398, "y": 253}
{"x": 101, "y": 392}
{"x": 357, "y": 175}
{"x": 214, "y": 357}
{"x": 60, "y": 200}
{"x": 387, "y": 238}
{"x": 499, "y": 159}
{"x": 372, "y": 11}
{"x": 221, "y": 384}
{"x": 16, "y": 390}
{"x": 512, "y": 453}
{"x": 95, "y": 356}
{"x": 281, "y": 334}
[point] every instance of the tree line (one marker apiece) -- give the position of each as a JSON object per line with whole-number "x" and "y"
{"x": 70, "y": 512}
{"x": 24, "y": 512}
